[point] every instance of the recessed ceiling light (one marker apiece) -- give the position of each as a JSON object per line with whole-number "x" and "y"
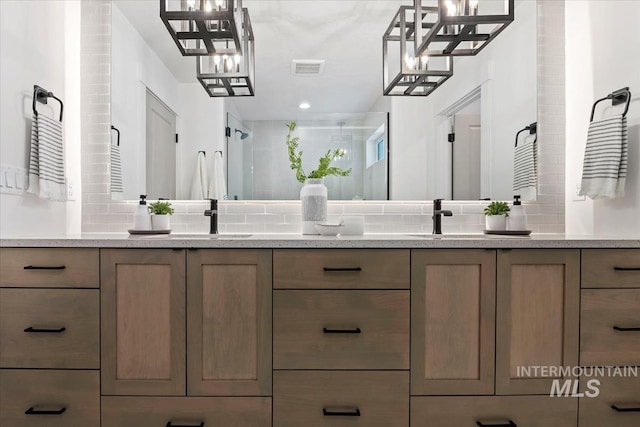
{"x": 304, "y": 106}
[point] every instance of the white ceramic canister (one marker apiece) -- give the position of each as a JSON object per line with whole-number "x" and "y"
{"x": 313, "y": 198}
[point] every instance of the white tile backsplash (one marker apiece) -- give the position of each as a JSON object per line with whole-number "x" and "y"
{"x": 100, "y": 214}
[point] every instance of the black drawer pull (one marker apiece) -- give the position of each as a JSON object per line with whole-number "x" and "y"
{"x": 45, "y": 330}
{"x": 342, "y": 269}
{"x": 341, "y": 331}
{"x": 618, "y": 328}
{"x": 626, "y": 268}
{"x": 620, "y": 408}
{"x": 36, "y": 267}
{"x": 355, "y": 412}
{"x": 507, "y": 424}
{"x": 170, "y": 424}
{"x": 33, "y": 411}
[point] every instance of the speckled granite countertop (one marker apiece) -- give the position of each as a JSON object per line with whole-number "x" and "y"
{"x": 284, "y": 241}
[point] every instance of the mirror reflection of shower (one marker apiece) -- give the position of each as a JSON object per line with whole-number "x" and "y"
{"x": 258, "y": 146}
{"x": 243, "y": 135}
{"x": 239, "y": 159}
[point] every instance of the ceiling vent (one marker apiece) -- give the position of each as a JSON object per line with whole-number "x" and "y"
{"x": 307, "y": 67}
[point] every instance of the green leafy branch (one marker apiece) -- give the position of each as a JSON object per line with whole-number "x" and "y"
{"x": 324, "y": 165}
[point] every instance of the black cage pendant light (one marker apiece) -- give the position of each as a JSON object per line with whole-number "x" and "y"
{"x": 405, "y": 72}
{"x": 204, "y": 27}
{"x": 228, "y": 73}
{"x": 460, "y": 27}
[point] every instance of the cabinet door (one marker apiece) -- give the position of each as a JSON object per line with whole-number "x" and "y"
{"x": 537, "y": 318}
{"x": 229, "y": 322}
{"x": 143, "y": 322}
{"x": 452, "y": 322}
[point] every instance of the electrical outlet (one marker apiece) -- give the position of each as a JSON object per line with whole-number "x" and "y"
{"x": 13, "y": 180}
{"x": 576, "y": 194}
{"x": 71, "y": 191}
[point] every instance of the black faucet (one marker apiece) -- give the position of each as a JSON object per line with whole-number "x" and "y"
{"x": 437, "y": 216}
{"x": 213, "y": 213}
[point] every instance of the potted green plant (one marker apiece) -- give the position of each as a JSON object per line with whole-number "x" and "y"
{"x": 160, "y": 212}
{"x": 496, "y": 215}
{"x": 313, "y": 196}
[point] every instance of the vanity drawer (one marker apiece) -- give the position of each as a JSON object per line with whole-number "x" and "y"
{"x": 610, "y": 327}
{"x": 186, "y": 411}
{"x": 611, "y": 268}
{"x": 340, "y": 398}
{"x": 341, "y": 329}
{"x": 341, "y": 269}
{"x": 49, "y": 268}
{"x": 49, "y": 328}
{"x": 77, "y": 392}
{"x": 468, "y": 411}
{"x": 623, "y": 393}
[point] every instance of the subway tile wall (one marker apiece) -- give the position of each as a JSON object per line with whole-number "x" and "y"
{"x": 100, "y": 214}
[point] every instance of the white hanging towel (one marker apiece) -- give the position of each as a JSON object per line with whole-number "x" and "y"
{"x": 605, "y": 159}
{"x": 200, "y": 179}
{"x": 217, "y": 186}
{"x": 525, "y": 169}
{"x": 46, "y": 159}
{"x": 116, "y": 170}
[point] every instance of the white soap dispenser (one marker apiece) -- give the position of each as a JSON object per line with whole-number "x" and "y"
{"x": 517, "y": 216}
{"x": 142, "y": 217}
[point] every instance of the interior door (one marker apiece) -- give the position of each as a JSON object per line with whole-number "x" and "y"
{"x": 466, "y": 157}
{"x": 161, "y": 149}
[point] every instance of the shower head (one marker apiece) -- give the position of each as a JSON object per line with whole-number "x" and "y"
{"x": 243, "y": 135}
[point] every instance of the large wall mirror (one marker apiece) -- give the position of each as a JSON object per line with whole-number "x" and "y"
{"x": 398, "y": 147}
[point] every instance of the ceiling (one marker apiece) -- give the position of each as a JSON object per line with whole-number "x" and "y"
{"x": 347, "y": 34}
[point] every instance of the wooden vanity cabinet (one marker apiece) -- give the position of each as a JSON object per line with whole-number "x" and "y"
{"x": 156, "y": 322}
{"x": 610, "y": 336}
{"x": 49, "y": 337}
{"x": 453, "y": 322}
{"x": 143, "y": 322}
{"x": 537, "y": 316}
{"x": 229, "y": 322}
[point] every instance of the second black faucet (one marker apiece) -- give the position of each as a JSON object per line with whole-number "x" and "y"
{"x": 437, "y": 216}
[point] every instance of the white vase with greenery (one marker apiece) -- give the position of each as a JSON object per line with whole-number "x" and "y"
{"x": 313, "y": 196}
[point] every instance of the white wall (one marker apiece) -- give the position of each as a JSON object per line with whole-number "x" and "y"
{"x": 603, "y": 41}
{"x": 37, "y": 54}
{"x": 506, "y": 71}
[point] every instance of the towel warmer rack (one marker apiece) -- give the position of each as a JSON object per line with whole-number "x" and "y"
{"x": 204, "y": 153}
{"x": 618, "y": 97}
{"x": 41, "y": 95}
{"x": 118, "y": 132}
{"x": 532, "y": 128}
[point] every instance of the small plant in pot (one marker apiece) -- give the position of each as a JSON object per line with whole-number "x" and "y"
{"x": 160, "y": 211}
{"x": 496, "y": 215}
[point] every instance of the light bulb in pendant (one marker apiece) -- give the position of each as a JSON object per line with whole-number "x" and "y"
{"x": 452, "y": 9}
{"x": 410, "y": 61}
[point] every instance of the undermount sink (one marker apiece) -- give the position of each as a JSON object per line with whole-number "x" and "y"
{"x": 448, "y": 236}
{"x": 210, "y": 236}
{"x": 201, "y": 236}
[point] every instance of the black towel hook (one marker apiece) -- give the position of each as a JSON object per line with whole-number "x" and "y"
{"x": 41, "y": 95}
{"x": 118, "y": 131}
{"x": 532, "y": 128}
{"x": 204, "y": 153}
{"x": 617, "y": 98}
